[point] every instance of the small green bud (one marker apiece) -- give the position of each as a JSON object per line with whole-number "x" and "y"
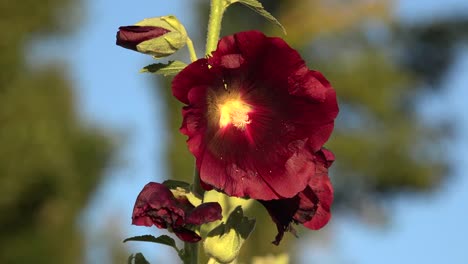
{"x": 224, "y": 242}
{"x": 271, "y": 259}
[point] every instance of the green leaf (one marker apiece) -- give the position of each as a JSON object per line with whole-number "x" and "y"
{"x": 256, "y": 6}
{"x": 183, "y": 189}
{"x": 170, "y": 68}
{"x": 138, "y": 259}
{"x": 164, "y": 239}
{"x": 173, "y": 184}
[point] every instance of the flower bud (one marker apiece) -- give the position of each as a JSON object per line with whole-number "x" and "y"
{"x": 159, "y": 36}
{"x": 224, "y": 242}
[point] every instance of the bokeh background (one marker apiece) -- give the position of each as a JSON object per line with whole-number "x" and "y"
{"x": 81, "y": 131}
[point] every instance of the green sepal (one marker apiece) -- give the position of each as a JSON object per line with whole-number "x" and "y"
{"x": 256, "y": 6}
{"x": 163, "y": 239}
{"x": 183, "y": 189}
{"x": 173, "y": 184}
{"x": 138, "y": 258}
{"x": 170, "y": 23}
{"x": 224, "y": 242}
{"x": 282, "y": 258}
{"x": 170, "y": 68}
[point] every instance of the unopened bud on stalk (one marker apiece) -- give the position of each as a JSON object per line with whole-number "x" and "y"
{"x": 158, "y": 36}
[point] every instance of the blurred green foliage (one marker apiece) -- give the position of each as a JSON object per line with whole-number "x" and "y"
{"x": 50, "y": 162}
{"x": 382, "y": 147}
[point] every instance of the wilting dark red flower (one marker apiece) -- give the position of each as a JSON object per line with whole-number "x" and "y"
{"x": 310, "y": 207}
{"x": 130, "y": 36}
{"x": 156, "y": 205}
{"x": 254, "y": 116}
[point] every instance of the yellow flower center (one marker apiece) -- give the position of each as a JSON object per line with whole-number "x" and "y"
{"x": 234, "y": 112}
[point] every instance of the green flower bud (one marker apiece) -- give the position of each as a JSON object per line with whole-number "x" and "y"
{"x": 224, "y": 242}
{"x": 158, "y": 36}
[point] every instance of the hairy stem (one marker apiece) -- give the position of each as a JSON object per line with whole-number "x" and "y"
{"x": 214, "y": 28}
{"x": 214, "y": 24}
{"x": 191, "y": 49}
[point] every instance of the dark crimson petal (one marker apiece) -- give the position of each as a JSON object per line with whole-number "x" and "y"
{"x": 141, "y": 218}
{"x": 320, "y": 135}
{"x": 186, "y": 235}
{"x": 204, "y": 213}
{"x": 326, "y": 157}
{"x": 130, "y": 36}
{"x": 226, "y": 45}
{"x": 192, "y": 124}
{"x": 251, "y": 44}
{"x": 295, "y": 176}
{"x": 195, "y": 74}
{"x": 231, "y": 179}
{"x": 316, "y": 120}
{"x": 322, "y": 214}
{"x": 311, "y": 207}
{"x": 278, "y": 63}
{"x": 155, "y": 195}
{"x": 308, "y": 204}
{"x": 156, "y": 205}
{"x": 232, "y": 61}
{"x": 323, "y": 190}
{"x": 247, "y": 45}
{"x": 306, "y": 83}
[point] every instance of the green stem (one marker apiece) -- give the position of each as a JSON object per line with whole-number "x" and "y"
{"x": 214, "y": 28}
{"x": 191, "y": 49}
{"x": 214, "y": 24}
{"x": 191, "y": 253}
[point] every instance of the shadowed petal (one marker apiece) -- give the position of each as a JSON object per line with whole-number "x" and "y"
{"x": 205, "y": 213}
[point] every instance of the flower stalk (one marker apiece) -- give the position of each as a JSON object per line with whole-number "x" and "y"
{"x": 214, "y": 28}
{"x": 191, "y": 49}
{"x": 214, "y": 24}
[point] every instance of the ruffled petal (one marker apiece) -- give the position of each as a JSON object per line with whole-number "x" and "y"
{"x": 195, "y": 74}
{"x": 308, "y": 84}
{"x": 311, "y": 206}
{"x": 205, "y": 213}
{"x": 322, "y": 189}
{"x": 232, "y": 179}
{"x": 186, "y": 235}
{"x": 156, "y": 205}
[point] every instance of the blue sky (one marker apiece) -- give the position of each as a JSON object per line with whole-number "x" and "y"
{"x": 112, "y": 94}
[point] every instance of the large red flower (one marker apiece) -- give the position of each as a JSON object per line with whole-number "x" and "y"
{"x": 254, "y": 116}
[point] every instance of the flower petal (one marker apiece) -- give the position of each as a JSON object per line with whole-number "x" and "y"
{"x": 186, "y": 235}
{"x": 195, "y": 74}
{"x": 322, "y": 189}
{"x": 205, "y": 213}
{"x": 156, "y": 205}
{"x": 230, "y": 178}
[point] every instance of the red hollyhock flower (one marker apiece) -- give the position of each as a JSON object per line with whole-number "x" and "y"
{"x": 254, "y": 116}
{"x": 310, "y": 207}
{"x": 156, "y": 205}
